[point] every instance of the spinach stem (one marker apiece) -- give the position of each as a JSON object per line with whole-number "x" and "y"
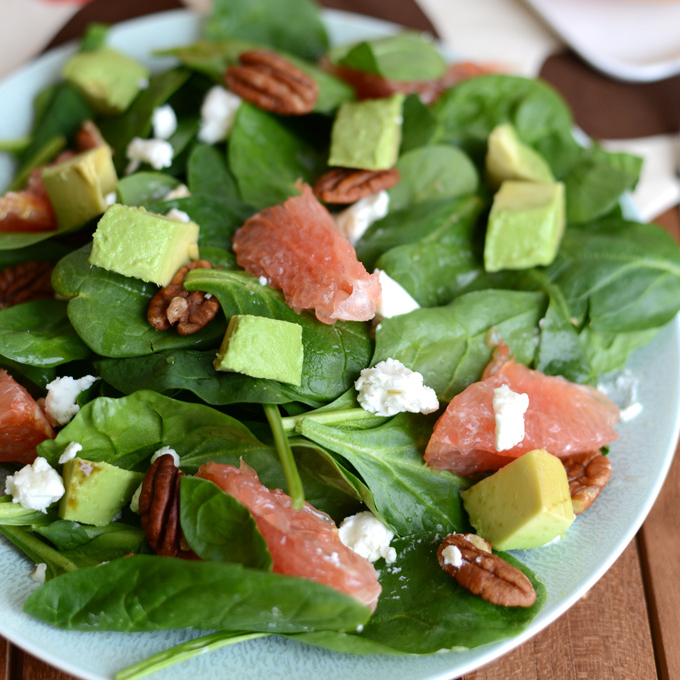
{"x": 37, "y": 550}
{"x": 326, "y": 417}
{"x": 184, "y": 651}
{"x": 295, "y": 490}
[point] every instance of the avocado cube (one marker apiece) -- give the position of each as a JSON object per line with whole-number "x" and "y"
{"x": 96, "y": 491}
{"x": 523, "y": 505}
{"x": 78, "y": 187}
{"x": 367, "y": 134}
{"x": 525, "y": 226}
{"x": 262, "y": 348}
{"x": 134, "y": 242}
{"x": 107, "y": 79}
{"x": 507, "y": 157}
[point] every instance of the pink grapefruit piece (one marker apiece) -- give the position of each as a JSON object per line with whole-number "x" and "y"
{"x": 298, "y": 249}
{"x": 563, "y": 418}
{"x": 303, "y": 542}
{"x": 23, "y": 425}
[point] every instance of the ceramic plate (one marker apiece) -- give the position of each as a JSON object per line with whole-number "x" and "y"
{"x": 634, "y": 40}
{"x": 568, "y": 568}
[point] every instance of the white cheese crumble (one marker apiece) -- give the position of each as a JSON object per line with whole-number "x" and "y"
{"x": 390, "y": 388}
{"x": 368, "y": 537}
{"x": 35, "y": 486}
{"x": 509, "y": 408}
{"x": 164, "y": 122}
{"x": 394, "y": 299}
{"x": 452, "y": 556}
{"x": 621, "y": 388}
{"x": 264, "y": 281}
{"x": 111, "y": 198}
{"x": 218, "y": 112}
{"x": 39, "y": 572}
{"x": 180, "y": 191}
{"x": 156, "y": 152}
{"x": 70, "y": 452}
{"x": 162, "y": 451}
{"x": 60, "y": 403}
{"x": 86, "y": 467}
{"x": 353, "y": 222}
{"x": 178, "y": 215}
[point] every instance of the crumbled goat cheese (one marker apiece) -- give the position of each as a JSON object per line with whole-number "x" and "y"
{"x": 164, "y": 450}
{"x": 164, "y": 122}
{"x": 264, "y": 281}
{"x": 39, "y": 572}
{"x": 452, "y": 556}
{"x": 394, "y": 299}
{"x": 60, "y": 403}
{"x": 390, "y": 388}
{"x": 509, "y": 408}
{"x": 35, "y": 486}
{"x": 177, "y": 215}
{"x": 156, "y": 152}
{"x": 180, "y": 191}
{"x": 621, "y": 387}
{"x": 355, "y": 220}
{"x": 218, "y": 112}
{"x": 111, "y": 198}
{"x": 85, "y": 467}
{"x": 368, "y": 537}
{"x": 70, "y": 452}
{"x": 134, "y": 501}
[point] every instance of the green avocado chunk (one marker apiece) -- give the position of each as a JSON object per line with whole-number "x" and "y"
{"x": 525, "y": 226}
{"x": 107, "y": 79}
{"x": 134, "y": 242}
{"x": 262, "y": 348}
{"x": 78, "y": 187}
{"x": 96, "y": 491}
{"x": 508, "y": 158}
{"x": 523, "y": 505}
{"x": 366, "y": 134}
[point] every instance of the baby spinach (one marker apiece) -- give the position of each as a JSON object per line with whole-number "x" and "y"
{"x": 145, "y": 188}
{"x": 410, "y": 496}
{"x": 38, "y": 333}
{"x": 144, "y": 593}
{"x": 420, "y": 125}
{"x": 607, "y": 351}
{"x": 16, "y": 514}
{"x": 209, "y": 175}
{"x": 219, "y": 528}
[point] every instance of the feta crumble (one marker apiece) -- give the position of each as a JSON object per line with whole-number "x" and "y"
{"x": 218, "y": 113}
{"x": 180, "y": 191}
{"x": 389, "y": 388}
{"x": 509, "y": 408}
{"x": 39, "y": 572}
{"x": 178, "y": 215}
{"x": 70, "y": 452}
{"x": 164, "y": 122}
{"x": 60, "y": 403}
{"x": 35, "y": 486}
{"x": 163, "y": 451}
{"x": 355, "y": 220}
{"x": 452, "y": 556}
{"x": 111, "y": 198}
{"x": 368, "y": 537}
{"x": 264, "y": 281}
{"x": 156, "y": 152}
{"x": 394, "y": 299}
{"x": 621, "y": 387}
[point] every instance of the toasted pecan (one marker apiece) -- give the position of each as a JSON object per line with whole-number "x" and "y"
{"x": 347, "y": 185}
{"x": 25, "y": 282}
{"x": 587, "y": 473}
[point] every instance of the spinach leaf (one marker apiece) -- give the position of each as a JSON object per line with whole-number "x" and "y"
{"x": 38, "y": 375}
{"x": 430, "y": 173}
{"x": 420, "y": 126}
{"x": 607, "y": 351}
{"x": 267, "y": 158}
{"x": 145, "y": 188}
{"x": 291, "y": 25}
{"x": 128, "y": 430}
{"x": 410, "y": 496}
{"x": 209, "y": 175}
{"x": 39, "y": 333}
{"x": 219, "y": 528}
{"x": 444, "y": 222}
{"x": 334, "y": 353}
{"x": 448, "y": 345}
{"x": 15, "y": 514}
{"x": 42, "y": 252}
{"x": 108, "y": 311}
{"x": 145, "y": 592}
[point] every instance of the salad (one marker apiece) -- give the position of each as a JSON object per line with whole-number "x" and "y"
{"x": 162, "y": 390}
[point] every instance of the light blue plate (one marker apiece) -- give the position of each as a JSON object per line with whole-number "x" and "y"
{"x": 569, "y": 568}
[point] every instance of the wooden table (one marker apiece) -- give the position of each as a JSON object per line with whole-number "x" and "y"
{"x": 628, "y": 626}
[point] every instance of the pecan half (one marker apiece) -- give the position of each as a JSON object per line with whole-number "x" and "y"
{"x": 25, "y": 282}
{"x": 159, "y": 506}
{"x": 345, "y": 185}
{"x": 272, "y": 83}
{"x": 173, "y": 305}
{"x": 588, "y": 473}
{"x": 485, "y": 574}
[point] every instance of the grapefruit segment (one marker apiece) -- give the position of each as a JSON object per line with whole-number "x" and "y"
{"x": 563, "y": 418}
{"x": 303, "y": 542}
{"x": 297, "y": 247}
{"x": 22, "y": 423}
